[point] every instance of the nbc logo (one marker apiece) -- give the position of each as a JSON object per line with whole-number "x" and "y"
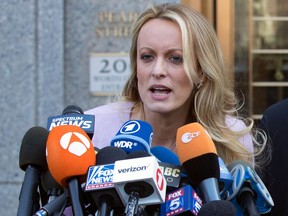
{"x": 77, "y": 147}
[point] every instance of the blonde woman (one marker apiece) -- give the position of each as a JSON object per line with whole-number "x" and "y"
{"x": 178, "y": 76}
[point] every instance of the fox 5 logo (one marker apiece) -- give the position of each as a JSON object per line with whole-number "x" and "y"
{"x": 176, "y": 204}
{"x": 176, "y": 200}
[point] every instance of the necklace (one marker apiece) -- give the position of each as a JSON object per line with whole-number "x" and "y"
{"x": 172, "y": 147}
{"x": 142, "y": 116}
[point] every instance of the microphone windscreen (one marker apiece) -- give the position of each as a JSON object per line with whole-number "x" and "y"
{"x": 170, "y": 165}
{"x": 138, "y": 154}
{"x": 69, "y": 153}
{"x": 33, "y": 147}
{"x": 217, "y": 208}
{"x": 197, "y": 153}
{"x": 99, "y": 184}
{"x": 165, "y": 155}
{"x": 72, "y": 109}
{"x": 248, "y": 180}
{"x": 192, "y": 141}
{"x": 134, "y": 135}
{"x": 110, "y": 154}
{"x": 48, "y": 181}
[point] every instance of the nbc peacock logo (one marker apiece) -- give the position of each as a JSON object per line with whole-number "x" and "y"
{"x": 75, "y": 142}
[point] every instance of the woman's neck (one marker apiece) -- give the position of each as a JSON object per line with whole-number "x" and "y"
{"x": 164, "y": 126}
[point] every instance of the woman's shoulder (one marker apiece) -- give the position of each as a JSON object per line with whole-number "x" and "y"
{"x": 109, "y": 118}
{"x": 111, "y": 108}
{"x": 238, "y": 125}
{"x": 234, "y": 123}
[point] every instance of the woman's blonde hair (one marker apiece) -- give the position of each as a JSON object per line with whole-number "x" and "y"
{"x": 215, "y": 99}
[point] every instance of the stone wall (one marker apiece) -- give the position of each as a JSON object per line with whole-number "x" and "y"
{"x": 44, "y": 67}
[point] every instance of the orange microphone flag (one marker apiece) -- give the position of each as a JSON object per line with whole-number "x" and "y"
{"x": 69, "y": 153}
{"x": 192, "y": 141}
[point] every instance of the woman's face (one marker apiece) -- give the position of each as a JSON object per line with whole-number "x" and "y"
{"x": 162, "y": 82}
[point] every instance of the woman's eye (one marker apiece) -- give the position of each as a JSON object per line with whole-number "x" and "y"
{"x": 147, "y": 58}
{"x": 176, "y": 59}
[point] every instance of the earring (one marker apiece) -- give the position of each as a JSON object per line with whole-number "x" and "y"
{"x": 199, "y": 85}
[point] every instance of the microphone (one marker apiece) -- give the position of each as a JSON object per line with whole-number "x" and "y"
{"x": 55, "y": 207}
{"x": 73, "y": 115}
{"x": 182, "y": 201}
{"x": 99, "y": 183}
{"x": 53, "y": 190}
{"x": 165, "y": 155}
{"x": 217, "y": 208}
{"x": 50, "y": 185}
{"x": 225, "y": 180}
{"x": 134, "y": 135}
{"x": 32, "y": 160}
{"x": 139, "y": 181}
{"x": 72, "y": 109}
{"x": 248, "y": 192}
{"x": 169, "y": 164}
{"x": 69, "y": 153}
{"x": 199, "y": 159}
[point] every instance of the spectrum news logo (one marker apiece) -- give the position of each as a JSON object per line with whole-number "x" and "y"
{"x": 86, "y": 122}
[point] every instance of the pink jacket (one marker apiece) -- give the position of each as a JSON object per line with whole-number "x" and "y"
{"x": 110, "y": 117}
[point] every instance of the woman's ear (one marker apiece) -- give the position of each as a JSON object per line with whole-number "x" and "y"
{"x": 201, "y": 81}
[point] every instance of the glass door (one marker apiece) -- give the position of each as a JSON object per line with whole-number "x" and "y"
{"x": 268, "y": 53}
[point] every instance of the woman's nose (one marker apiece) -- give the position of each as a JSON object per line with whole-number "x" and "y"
{"x": 159, "y": 69}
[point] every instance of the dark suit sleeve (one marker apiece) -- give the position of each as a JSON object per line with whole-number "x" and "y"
{"x": 275, "y": 174}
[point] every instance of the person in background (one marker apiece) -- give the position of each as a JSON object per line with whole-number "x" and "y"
{"x": 178, "y": 76}
{"x": 275, "y": 123}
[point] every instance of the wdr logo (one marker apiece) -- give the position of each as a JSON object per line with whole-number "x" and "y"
{"x": 124, "y": 144}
